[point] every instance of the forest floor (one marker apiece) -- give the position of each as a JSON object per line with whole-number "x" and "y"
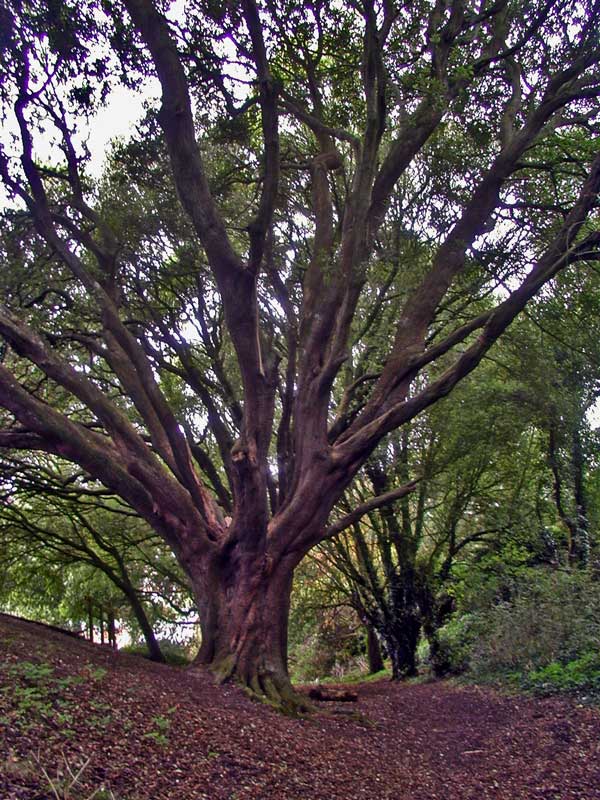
{"x": 152, "y": 732}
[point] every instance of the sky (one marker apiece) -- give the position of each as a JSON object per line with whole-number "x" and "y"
{"x": 117, "y": 119}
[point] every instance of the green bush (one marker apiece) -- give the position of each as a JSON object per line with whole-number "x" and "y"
{"x": 582, "y": 675}
{"x": 454, "y": 643}
{"x": 551, "y": 617}
{"x": 176, "y": 654}
{"x": 331, "y": 648}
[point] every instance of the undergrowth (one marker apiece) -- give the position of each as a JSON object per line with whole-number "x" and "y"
{"x": 580, "y": 676}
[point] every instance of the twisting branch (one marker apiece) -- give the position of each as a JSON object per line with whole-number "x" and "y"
{"x": 380, "y": 501}
{"x": 556, "y": 257}
{"x": 268, "y": 102}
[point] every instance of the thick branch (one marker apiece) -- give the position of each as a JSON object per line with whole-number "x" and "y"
{"x": 268, "y": 101}
{"x": 556, "y": 257}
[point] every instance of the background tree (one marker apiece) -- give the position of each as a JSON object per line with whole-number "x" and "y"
{"x": 398, "y": 561}
{"x": 97, "y": 554}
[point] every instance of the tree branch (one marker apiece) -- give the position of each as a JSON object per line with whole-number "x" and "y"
{"x": 370, "y": 505}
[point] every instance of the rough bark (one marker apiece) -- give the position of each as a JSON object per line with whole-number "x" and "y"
{"x": 244, "y": 607}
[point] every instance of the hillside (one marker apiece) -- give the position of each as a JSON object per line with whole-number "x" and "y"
{"x": 151, "y": 731}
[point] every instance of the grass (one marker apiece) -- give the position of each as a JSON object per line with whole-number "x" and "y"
{"x": 358, "y": 677}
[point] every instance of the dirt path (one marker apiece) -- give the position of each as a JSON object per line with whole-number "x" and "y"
{"x": 160, "y": 732}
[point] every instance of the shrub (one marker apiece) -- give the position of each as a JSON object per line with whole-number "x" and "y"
{"x": 551, "y": 617}
{"x": 582, "y": 675}
{"x": 330, "y": 648}
{"x": 452, "y": 651}
{"x": 176, "y": 654}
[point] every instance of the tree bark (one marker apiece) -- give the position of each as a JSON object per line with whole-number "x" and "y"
{"x": 401, "y": 640}
{"x": 90, "y": 614}
{"x": 101, "y": 619}
{"x": 244, "y": 608}
{"x": 374, "y": 651}
{"x": 154, "y": 651}
{"x": 112, "y": 635}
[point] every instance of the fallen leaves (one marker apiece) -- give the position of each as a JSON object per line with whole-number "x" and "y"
{"x": 152, "y": 732}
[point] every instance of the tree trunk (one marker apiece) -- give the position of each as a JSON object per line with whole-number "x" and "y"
{"x": 112, "y": 634}
{"x": 90, "y": 613}
{"x": 244, "y": 619}
{"x": 154, "y": 650}
{"x": 401, "y": 641}
{"x": 438, "y": 656}
{"x": 101, "y": 618}
{"x": 373, "y": 651}
{"x": 436, "y": 612}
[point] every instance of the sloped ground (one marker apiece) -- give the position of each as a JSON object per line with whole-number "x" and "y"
{"x": 151, "y": 731}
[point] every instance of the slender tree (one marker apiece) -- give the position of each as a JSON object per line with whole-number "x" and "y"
{"x": 62, "y": 520}
{"x": 397, "y": 561}
{"x": 208, "y": 367}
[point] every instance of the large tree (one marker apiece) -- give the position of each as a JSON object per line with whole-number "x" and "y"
{"x": 341, "y": 169}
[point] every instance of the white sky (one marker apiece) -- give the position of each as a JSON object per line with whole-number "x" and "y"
{"x": 116, "y": 119}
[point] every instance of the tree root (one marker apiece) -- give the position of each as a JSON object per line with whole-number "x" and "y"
{"x": 264, "y": 686}
{"x": 277, "y": 693}
{"x": 332, "y": 694}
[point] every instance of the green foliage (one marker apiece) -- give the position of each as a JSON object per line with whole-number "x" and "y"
{"x": 454, "y": 644}
{"x": 33, "y": 692}
{"x": 542, "y": 617}
{"x": 582, "y": 675}
{"x": 331, "y": 647}
{"x": 176, "y": 654}
{"x": 360, "y": 676}
{"x": 160, "y": 730}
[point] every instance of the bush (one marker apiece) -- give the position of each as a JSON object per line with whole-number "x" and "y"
{"x": 551, "y": 617}
{"x": 452, "y": 652}
{"x": 582, "y": 675}
{"x": 176, "y": 654}
{"x": 330, "y": 648}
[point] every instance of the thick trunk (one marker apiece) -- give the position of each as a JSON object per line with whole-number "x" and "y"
{"x": 244, "y": 620}
{"x": 438, "y": 657}
{"x": 401, "y": 641}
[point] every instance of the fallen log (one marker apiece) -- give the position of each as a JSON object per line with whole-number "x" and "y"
{"x": 329, "y": 693}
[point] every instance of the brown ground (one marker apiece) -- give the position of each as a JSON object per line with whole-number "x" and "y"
{"x": 158, "y": 732}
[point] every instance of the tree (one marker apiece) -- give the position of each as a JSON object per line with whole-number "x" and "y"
{"x": 103, "y": 552}
{"x": 344, "y": 166}
{"x": 397, "y": 561}
{"x": 561, "y": 396}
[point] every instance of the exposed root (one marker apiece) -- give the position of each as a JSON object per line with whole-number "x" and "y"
{"x": 224, "y": 669}
{"x": 333, "y": 695}
{"x": 267, "y": 685}
{"x": 276, "y": 692}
